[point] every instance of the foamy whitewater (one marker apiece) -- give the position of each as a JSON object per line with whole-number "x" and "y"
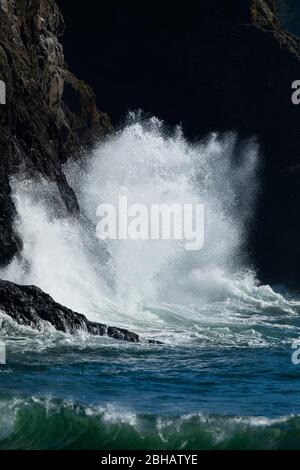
{"x": 226, "y": 338}
{"x": 135, "y": 283}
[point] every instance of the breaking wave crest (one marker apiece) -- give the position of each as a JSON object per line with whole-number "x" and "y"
{"x": 50, "y": 424}
{"x": 149, "y": 285}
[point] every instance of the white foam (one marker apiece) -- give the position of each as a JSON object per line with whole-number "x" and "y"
{"x": 64, "y": 258}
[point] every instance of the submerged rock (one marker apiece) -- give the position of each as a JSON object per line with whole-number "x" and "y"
{"x": 30, "y": 306}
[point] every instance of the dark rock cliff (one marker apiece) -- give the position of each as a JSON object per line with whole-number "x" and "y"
{"x": 49, "y": 114}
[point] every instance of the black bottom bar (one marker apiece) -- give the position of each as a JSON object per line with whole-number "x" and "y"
{"x": 138, "y": 459}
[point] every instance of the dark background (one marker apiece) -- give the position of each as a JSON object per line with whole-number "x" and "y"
{"x": 143, "y": 55}
{"x": 206, "y": 65}
{"x": 129, "y": 53}
{"x": 290, "y": 15}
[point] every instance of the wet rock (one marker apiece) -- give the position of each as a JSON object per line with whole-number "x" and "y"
{"x": 30, "y": 306}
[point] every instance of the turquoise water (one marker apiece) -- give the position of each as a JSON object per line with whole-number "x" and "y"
{"x": 223, "y": 376}
{"x": 61, "y": 392}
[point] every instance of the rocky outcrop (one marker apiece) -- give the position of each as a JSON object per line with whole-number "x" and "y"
{"x": 49, "y": 115}
{"x": 265, "y": 16}
{"x": 29, "y": 306}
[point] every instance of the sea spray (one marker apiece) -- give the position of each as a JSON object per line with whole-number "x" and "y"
{"x": 222, "y": 376}
{"x": 132, "y": 282}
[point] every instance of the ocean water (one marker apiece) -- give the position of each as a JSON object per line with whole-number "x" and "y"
{"x": 223, "y": 377}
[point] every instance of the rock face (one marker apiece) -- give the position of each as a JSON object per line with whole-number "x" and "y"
{"x": 29, "y": 306}
{"x": 49, "y": 114}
